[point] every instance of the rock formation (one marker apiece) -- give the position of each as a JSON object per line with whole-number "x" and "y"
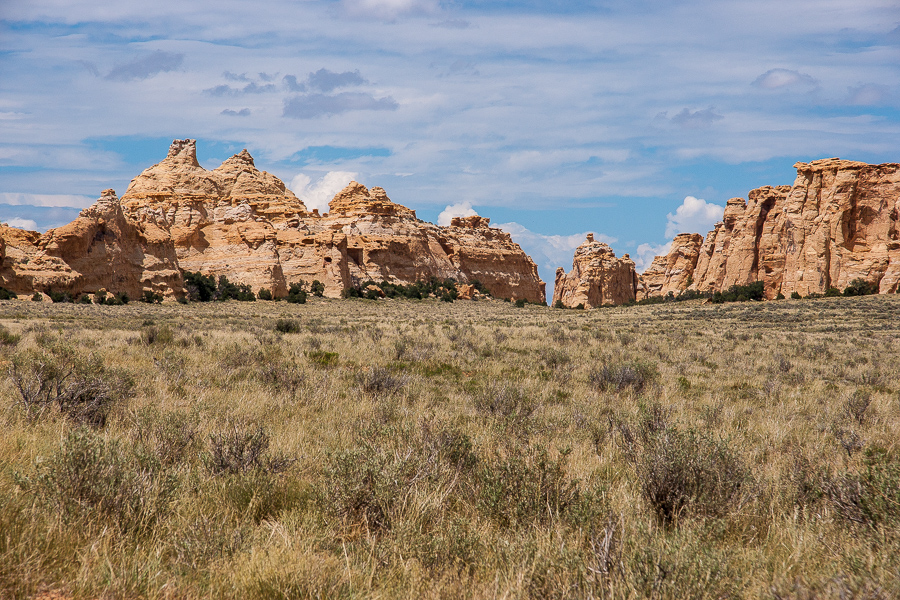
{"x": 840, "y": 221}
{"x": 597, "y": 278}
{"x": 102, "y": 248}
{"x": 245, "y": 224}
{"x": 672, "y": 272}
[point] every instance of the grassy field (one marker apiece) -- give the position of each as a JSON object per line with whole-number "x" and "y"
{"x": 397, "y": 449}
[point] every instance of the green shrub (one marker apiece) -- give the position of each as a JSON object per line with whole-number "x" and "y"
{"x": 151, "y": 297}
{"x": 297, "y": 293}
{"x": 860, "y": 287}
{"x": 37, "y": 297}
{"x": 832, "y": 292}
{"x": 88, "y": 476}
{"x": 740, "y": 293}
{"x": 59, "y": 297}
{"x": 241, "y": 449}
{"x": 317, "y": 288}
{"x": 379, "y": 380}
{"x": 61, "y": 375}
{"x": 521, "y": 302}
{"x": 8, "y": 338}
{"x": 870, "y": 497}
{"x": 635, "y": 375}
{"x": 226, "y": 290}
{"x": 683, "y": 473}
{"x": 322, "y": 358}
{"x": 795, "y": 295}
{"x": 116, "y": 299}
{"x": 161, "y": 335}
{"x": 505, "y": 401}
{"x": 200, "y": 288}
{"x": 5, "y": 294}
{"x": 264, "y": 294}
{"x": 169, "y": 436}
{"x": 363, "y": 484}
{"x": 288, "y": 326}
{"x": 84, "y": 299}
{"x": 558, "y": 304}
{"x": 526, "y": 488}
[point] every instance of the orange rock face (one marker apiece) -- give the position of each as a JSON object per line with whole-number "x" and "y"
{"x": 102, "y": 248}
{"x": 597, "y": 278}
{"x": 840, "y": 221}
{"x": 245, "y": 224}
{"x": 672, "y": 272}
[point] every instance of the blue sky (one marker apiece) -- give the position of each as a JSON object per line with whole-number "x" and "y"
{"x": 632, "y": 120}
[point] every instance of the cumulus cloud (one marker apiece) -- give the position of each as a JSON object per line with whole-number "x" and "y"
{"x": 462, "y": 209}
{"x": 23, "y": 224}
{"x": 244, "y": 112}
{"x": 317, "y": 105}
{"x": 46, "y": 200}
{"x": 146, "y": 66}
{"x": 645, "y": 253}
{"x": 327, "y": 81}
{"x": 693, "y": 216}
{"x": 775, "y": 79}
{"x": 869, "y": 94}
{"x": 696, "y": 119}
{"x": 250, "y": 88}
{"x": 389, "y": 9}
{"x": 318, "y": 194}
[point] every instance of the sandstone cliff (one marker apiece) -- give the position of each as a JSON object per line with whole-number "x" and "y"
{"x": 102, "y": 248}
{"x": 244, "y": 223}
{"x": 839, "y": 221}
{"x": 597, "y": 278}
{"x": 672, "y": 272}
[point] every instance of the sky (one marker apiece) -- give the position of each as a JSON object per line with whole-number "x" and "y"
{"x": 632, "y": 120}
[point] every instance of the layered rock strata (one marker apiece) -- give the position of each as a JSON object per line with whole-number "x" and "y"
{"x": 245, "y": 224}
{"x": 840, "y": 221}
{"x": 597, "y": 278}
{"x": 674, "y": 270}
{"x": 102, "y": 248}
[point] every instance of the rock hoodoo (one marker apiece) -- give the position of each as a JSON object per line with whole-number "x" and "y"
{"x": 244, "y": 223}
{"x": 597, "y": 278}
{"x": 840, "y": 221}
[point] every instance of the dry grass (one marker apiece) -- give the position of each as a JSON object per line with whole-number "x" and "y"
{"x": 475, "y": 449}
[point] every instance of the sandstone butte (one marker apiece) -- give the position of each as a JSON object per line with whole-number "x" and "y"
{"x": 597, "y": 278}
{"x": 838, "y": 222}
{"x": 245, "y": 224}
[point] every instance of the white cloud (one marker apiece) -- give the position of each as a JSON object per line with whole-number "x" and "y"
{"x": 693, "y": 216}
{"x": 389, "y": 9}
{"x": 319, "y": 194}
{"x": 870, "y": 94}
{"x": 23, "y": 224}
{"x": 55, "y": 200}
{"x": 463, "y": 209}
{"x": 774, "y": 79}
{"x": 645, "y": 253}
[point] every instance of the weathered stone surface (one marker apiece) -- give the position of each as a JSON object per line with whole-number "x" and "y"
{"x": 101, "y": 248}
{"x": 245, "y": 224}
{"x": 672, "y": 272}
{"x": 840, "y": 221}
{"x": 597, "y": 277}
